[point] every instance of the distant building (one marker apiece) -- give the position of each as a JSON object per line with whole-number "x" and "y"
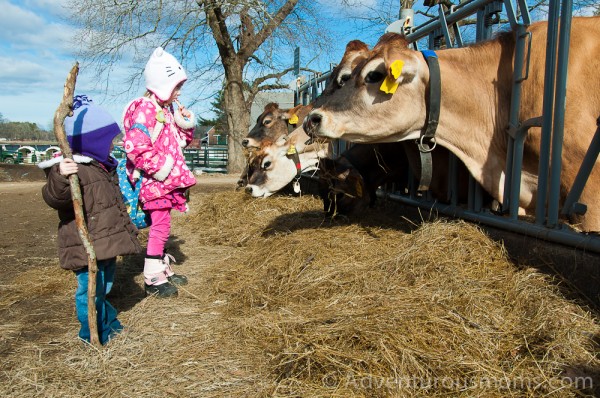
{"x": 207, "y": 135}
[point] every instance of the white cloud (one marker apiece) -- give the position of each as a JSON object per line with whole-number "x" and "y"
{"x": 25, "y": 30}
{"x": 19, "y": 74}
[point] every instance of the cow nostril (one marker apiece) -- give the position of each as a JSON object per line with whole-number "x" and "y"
{"x": 245, "y": 143}
{"x": 249, "y": 190}
{"x": 315, "y": 118}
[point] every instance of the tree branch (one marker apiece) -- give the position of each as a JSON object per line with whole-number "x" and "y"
{"x": 259, "y": 38}
{"x": 65, "y": 108}
{"x": 216, "y": 22}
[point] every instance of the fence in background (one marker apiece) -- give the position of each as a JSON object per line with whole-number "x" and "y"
{"x": 209, "y": 159}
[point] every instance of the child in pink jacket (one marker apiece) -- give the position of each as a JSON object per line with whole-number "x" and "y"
{"x": 155, "y": 133}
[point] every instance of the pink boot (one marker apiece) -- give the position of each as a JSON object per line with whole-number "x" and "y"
{"x": 156, "y": 280}
{"x": 176, "y": 279}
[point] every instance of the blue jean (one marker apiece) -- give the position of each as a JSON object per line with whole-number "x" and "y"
{"x": 108, "y": 324}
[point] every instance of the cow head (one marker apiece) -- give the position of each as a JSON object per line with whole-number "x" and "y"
{"x": 355, "y": 52}
{"x": 341, "y": 187}
{"x": 273, "y": 123}
{"x": 382, "y": 101}
{"x": 274, "y": 164}
{"x": 264, "y": 181}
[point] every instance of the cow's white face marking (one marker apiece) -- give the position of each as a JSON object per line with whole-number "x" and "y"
{"x": 275, "y": 171}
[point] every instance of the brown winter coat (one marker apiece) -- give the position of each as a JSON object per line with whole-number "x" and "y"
{"x": 108, "y": 223}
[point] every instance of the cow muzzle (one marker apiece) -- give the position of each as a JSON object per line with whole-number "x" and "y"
{"x": 312, "y": 123}
{"x": 257, "y": 191}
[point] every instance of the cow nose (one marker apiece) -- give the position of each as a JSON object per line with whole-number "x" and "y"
{"x": 245, "y": 142}
{"x": 249, "y": 190}
{"x": 311, "y": 123}
{"x": 315, "y": 119}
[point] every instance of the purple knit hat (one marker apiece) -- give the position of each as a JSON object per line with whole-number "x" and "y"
{"x": 90, "y": 130}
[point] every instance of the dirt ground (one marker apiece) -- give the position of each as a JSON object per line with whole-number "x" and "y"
{"x": 28, "y": 259}
{"x": 38, "y": 326}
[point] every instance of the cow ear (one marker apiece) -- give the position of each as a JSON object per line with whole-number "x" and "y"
{"x": 291, "y": 115}
{"x": 401, "y": 68}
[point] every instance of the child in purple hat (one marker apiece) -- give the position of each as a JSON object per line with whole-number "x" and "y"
{"x": 90, "y": 132}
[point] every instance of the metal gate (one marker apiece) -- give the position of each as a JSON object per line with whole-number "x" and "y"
{"x": 546, "y": 225}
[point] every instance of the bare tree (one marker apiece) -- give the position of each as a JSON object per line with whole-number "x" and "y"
{"x": 245, "y": 46}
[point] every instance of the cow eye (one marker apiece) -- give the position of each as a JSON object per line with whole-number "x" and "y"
{"x": 344, "y": 78}
{"x": 267, "y": 122}
{"x": 374, "y": 77}
{"x": 266, "y": 165}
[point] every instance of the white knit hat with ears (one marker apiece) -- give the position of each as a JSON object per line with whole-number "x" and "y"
{"x": 163, "y": 73}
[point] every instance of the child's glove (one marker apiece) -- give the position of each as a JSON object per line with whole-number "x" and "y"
{"x": 67, "y": 167}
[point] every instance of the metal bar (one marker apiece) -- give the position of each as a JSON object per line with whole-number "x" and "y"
{"x": 562, "y": 236}
{"x": 323, "y": 77}
{"x": 517, "y": 165}
{"x": 462, "y": 11}
{"x": 508, "y": 173}
{"x": 513, "y": 184}
{"x": 478, "y": 198}
{"x": 471, "y": 194}
{"x": 547, "y": 112}
{"x": 524, "y": 11}
{"x": 453, "y": 183}
{"x": 444, "y": 26}
{"x": 589, "y": 161}
{"x": 457, "y": 36}
{"x": 510, "y": 13}
{"x": 559, "y": 111}
{"x": 480, "y": 27}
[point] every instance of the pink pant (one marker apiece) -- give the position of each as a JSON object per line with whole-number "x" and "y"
{"x": 159, "y": 231}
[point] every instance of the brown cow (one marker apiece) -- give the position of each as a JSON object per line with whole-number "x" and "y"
{"x": 274, "y": 165}
{"x": 349, "y": 183}
{"x": 274, "y": 123}
{"x": 271, "y": 126}
{"x": 476, "y": 90}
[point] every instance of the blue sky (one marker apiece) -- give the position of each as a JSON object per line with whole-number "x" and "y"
{"x": 37, "y": 53}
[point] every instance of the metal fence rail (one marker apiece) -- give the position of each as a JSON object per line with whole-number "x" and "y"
{"x": 210, "y": 159}
{"x": 207, "y": 159}
{"x": 546, "y": 225}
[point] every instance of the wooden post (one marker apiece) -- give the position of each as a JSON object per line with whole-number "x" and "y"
{"x": 66, "y": 109}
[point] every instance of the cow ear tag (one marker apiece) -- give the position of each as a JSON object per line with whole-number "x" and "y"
{"x": 291, "y": 150}
{"x": 390, "y": 83}
{"x": 359, "y": 190}
{"x": 293, "y": 119}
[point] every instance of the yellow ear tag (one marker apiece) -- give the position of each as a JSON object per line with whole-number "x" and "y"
{"x": 390, "y": 84}
{"x": 359, "y": 191}
{"x": 293, "y": 119}
{"x": 291, "y": 150}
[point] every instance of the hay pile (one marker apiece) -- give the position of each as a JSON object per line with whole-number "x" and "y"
{"x": 284, "y": 302}
{"x": 349, "y": 310}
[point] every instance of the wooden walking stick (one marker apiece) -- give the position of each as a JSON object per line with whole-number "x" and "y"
{"x": 66, "y": 109}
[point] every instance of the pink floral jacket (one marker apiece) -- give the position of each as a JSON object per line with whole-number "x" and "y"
{"x": 159, "y": 157}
